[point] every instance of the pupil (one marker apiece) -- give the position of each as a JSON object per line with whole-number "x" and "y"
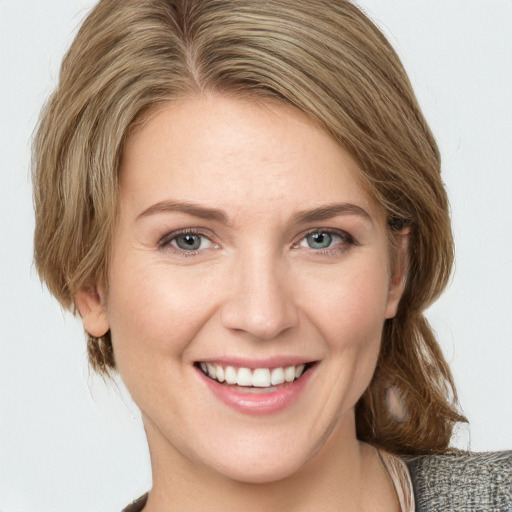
{"x": 319, "y": 240}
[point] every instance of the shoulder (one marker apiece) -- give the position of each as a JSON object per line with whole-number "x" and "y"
{"x": 137, "y": 505}
{"x": 462, "y": 481}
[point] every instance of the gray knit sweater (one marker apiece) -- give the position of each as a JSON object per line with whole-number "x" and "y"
{"x": 467, "y": 482}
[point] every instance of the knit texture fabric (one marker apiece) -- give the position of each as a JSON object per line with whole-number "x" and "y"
{"x": 462, "y": 482}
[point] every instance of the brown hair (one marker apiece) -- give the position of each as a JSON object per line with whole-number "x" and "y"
{"x": 325, "y": 58}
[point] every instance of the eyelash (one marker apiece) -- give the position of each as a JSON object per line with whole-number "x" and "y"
{"x": 165, "y": 243}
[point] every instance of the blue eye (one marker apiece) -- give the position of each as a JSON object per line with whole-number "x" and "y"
{"x": 188, "y": 242}
{"x": 319, "y": 240}
{"x": 326, "y": 241}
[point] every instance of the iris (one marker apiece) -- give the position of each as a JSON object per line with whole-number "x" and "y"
{"x": 320, "y": 240}
{"x": 188, "y": 242}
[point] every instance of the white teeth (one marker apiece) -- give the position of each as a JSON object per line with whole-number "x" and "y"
{"x": 211, "y": 370}
{"x": 258, "y": 378}
{"x": 277, "y": 376}
{"x": 244, "y": 377}
{"x": 230, "y": 375}
{"x": 220, "y": 373}
{"x": 261, "y": 378}
{"x": 289, "y": 374}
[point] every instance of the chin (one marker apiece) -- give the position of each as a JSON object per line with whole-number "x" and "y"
{"x": 259, "y": 470}
{"x": 266, "y": 456}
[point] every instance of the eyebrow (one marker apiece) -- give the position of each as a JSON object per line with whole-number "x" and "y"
{"x": 320, "y": 213}
{"x": 329, "y": 211}
{"x": 185, "y": 207}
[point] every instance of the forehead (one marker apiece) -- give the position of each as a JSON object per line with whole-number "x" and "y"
{"x": 237, "y": 153}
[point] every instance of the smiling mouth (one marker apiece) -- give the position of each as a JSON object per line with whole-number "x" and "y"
{"x": 253, "y": 378}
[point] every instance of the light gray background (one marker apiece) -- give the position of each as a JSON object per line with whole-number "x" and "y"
{"x": 68, "y": 443}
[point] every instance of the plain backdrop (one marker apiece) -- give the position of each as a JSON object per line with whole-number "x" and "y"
{"x": 71, "y": 443}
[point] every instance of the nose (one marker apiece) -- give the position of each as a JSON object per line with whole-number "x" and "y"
{"x": 259, "y": 298}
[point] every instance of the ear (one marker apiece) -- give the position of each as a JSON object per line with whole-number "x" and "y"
{"x": 399, "y": 278}
{"x": 90, "y": 302}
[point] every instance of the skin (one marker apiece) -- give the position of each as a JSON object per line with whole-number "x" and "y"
{"x": 255, "y": 289}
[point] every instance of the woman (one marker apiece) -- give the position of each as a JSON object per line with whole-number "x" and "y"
{"x": 243, "y": 201}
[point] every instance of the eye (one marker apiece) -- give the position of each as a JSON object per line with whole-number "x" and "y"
{"x": 186, "y": 242}
{"x": 319, "y": 240}
{"x": 326, "y": 241}
{"x": 190, "y": 242}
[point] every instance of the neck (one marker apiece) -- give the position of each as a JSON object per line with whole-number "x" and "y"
{"x": 333, "y": 479}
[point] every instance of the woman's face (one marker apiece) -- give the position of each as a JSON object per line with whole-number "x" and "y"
{"x": 245, "y": 248}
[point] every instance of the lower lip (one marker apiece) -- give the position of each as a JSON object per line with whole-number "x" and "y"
{"x": 258, "y": 403}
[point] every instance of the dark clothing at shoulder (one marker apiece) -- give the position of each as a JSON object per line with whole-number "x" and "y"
{"x": 137, "y": 505}
{"x": 461, "y": 482}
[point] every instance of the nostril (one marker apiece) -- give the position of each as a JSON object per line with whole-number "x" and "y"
{"x": 258, "y": 301}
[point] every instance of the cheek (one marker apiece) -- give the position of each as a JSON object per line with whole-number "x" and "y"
{"x": 348, "y": 304}
{"x": 154, "y": 311}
